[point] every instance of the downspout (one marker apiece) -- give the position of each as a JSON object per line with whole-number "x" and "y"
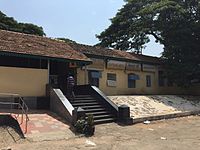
{"x": 85, "y": 74}
{"x": 48, "y": 72}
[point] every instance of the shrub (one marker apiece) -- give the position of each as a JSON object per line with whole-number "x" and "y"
{"x": 80, "y": 125}
{"x": 85, "y": 126}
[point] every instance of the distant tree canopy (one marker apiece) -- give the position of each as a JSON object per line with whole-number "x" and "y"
{"x": 9, "y": 23}
{"x": 66, "y": 40}
{"x": 173, "y": 23}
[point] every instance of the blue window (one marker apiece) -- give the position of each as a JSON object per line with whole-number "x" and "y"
{"x": 161, "y": 78}
{"x": 148, "y": 81}
{"x": 132, "y": 80}
{"x": 96, "y": 74}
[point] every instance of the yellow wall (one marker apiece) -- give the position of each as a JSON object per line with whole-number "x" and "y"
{"x": 122, "y": 83}
{"x": 23, "y": 81}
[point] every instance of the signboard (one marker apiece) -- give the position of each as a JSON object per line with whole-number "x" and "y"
{"x": 111, "y": 83}
{"x": 113, "y": 64}
{"x": 72, "y": 65}
{"x": 133, "y": 66}
{"x": 150, "y": 68}
{"x": 96, "y": 63}
{"x": 133, "y": 77}
{"x": 96, "y": 74}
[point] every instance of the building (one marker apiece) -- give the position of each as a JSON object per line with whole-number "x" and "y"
{"x": 29, "y": 62}
{"x": 118, "y": 72}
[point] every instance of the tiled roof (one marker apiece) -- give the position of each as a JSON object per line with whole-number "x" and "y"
{"x": 146, "y": 58}
{"x": 93, "y": 50}
{"x": 36, "y": 45}
{"x": 99, "y": 51}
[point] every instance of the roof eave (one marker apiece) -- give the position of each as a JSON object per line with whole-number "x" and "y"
{"x": 121, "y": 59}
{"x": 86, "y": 62}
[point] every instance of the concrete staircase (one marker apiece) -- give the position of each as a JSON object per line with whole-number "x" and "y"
{"x": 93, "y": 106}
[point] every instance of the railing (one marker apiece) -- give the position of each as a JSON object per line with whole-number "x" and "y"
{"x": 19, "y": 104}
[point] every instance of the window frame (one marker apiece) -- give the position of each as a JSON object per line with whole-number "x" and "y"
{"x": 161, "y": 78}
{"x": 131, "y": 82}
{"x": 148, "y": 81}
{"x": 114, "y": 78}
{"x": 111, "y": 79}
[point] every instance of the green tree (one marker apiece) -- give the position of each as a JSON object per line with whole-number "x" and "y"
{"x": 9, "y": 23}
{"x": 173, "y": 23}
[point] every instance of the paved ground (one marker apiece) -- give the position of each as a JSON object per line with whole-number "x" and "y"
{"x": 152, "y": 105}
{"x": 174, "y": 134}
{"x": 43, "y": 125}
{"x": 46, "y": 125}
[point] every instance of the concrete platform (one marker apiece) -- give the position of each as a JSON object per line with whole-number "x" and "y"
{"x": 156, "y": 107}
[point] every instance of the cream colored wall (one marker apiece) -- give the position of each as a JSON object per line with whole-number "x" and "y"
{"x": 81, "y": 77}
{"x": 122, "y": 83}
{"x": 23, "y": 81}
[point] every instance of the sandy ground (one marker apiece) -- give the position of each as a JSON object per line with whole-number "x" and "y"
{"x": 143, "y": 106}
{"x": 174, "y": 134}
{"x": 8, "y": 136}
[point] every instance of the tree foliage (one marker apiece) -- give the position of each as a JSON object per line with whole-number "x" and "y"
{"x": 173, "y": 23}
{"x": 9, "y": 23}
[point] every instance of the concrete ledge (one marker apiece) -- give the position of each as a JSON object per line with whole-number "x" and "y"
{"x": 167, "y": 116}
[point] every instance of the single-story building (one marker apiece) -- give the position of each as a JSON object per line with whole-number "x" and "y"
{"x": 118, "y": 72}
{"x": 29, "y": 62}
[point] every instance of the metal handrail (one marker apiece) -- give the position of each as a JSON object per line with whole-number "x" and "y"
{"x": 21, "y": 105}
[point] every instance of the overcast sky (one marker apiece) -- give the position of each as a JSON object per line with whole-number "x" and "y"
{"x": 78, "y": 20}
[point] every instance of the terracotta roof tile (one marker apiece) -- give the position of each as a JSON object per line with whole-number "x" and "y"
{"x": 146, "y": 58}
{"x": 36, "y": 45}
{"x": 99, "y": 51}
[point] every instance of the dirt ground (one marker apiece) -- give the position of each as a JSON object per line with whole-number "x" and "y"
{"x": 174, "y": 134}
{"x": 8, "y": 136}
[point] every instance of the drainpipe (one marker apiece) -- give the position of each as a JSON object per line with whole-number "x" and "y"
{"x": 48, "y": 72}
{"x": 85, "y": 74}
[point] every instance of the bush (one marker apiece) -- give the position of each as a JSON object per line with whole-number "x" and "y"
{"x": 89, "y": 127}
{"x": 85, "y": 126}
{"x": 79, "y": 126}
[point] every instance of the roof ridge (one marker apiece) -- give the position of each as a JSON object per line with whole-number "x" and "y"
{"x": 32, "y": 35}
{"x": 144, "y": 55}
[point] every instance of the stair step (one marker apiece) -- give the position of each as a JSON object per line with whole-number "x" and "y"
{"x": 94, "y": 110}
{"x": 82, "y": 95}
{"x": 98, "y": 113}
{"x": 108, "y": 120}
{"x": 91, "y": 107}
{"x": 84, "y": 98}
{"x": 82, "y": 101}
{"x": 85, "y": 104}
{"x": 103, "y": 117}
